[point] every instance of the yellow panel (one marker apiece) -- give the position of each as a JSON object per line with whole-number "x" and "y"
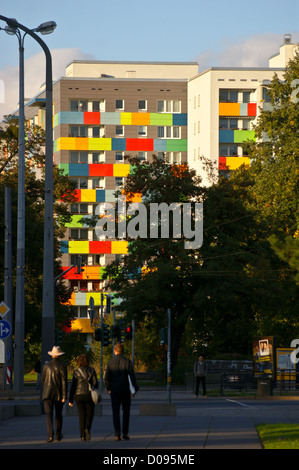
{"x": 119, "y": 247}
{"x": 88, "y": 195}
{"x": 137, "y": 197}
{"x": 99, "y": 143}
{"x": 121, "y": 169}
{"x": 81, "y": 143}
{"x": 229, "y": 109}
{"x": 96, "y": 297}
{"x": 76, "y": 246}
{"x": 140, "y": 119}
{"x": 235, "y": 162}
{"x": 126, "y": 118}
{"x": 82, "y": 324}
{"x": 66, "y": 143}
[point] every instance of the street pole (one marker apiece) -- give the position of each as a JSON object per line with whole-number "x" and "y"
{"x": 169, "y": 356}
{"x": 8, "y": 286}
{"x": 101, "y": 359}
{"x": 48, "y": 315}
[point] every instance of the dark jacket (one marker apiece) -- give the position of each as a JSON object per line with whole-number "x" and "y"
{"x": 54, "y": 380}
{"x": 80, "y": 385}
{"x": 116, "y": 375}
{"x": 200, "y": 369}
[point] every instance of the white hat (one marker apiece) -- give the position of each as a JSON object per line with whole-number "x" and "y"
{"x": 56, "y": 351}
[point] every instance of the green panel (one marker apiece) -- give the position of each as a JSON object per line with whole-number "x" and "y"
{"x": 243, "y": 135}
{"x": 64, "y": 167}
{"x": 157, "y": 119}
{"x": 75, "y": 222}
{"x": 176, "y": 145}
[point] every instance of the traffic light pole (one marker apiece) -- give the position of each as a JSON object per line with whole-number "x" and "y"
{"x": 169, "y": 357}
{"x": 101, "y": 359}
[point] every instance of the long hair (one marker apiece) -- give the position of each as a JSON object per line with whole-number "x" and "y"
{"x": 83, "y": 360}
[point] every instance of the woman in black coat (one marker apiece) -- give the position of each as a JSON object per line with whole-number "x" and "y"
{"x": 83, "y": 377}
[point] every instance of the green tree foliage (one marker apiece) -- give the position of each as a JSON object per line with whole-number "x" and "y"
{"x": 34, "y": 219}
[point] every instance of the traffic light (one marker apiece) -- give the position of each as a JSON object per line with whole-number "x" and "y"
{"x": 108, "y": 304}
{"x": 115, "y": 331}
{"x": 128, "y": 332}
{"x": 79, "y": 265}
{"x": 122, "y": 330}
{"x": 106, "y": 334}
{"x": 97, "y": 334}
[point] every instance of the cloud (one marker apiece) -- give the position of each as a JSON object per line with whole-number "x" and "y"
{"x": 35, "y": 73}
{"x": 254, "y": 51}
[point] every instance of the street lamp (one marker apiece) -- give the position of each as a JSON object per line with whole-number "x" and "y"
{"x": 15, "y": 28}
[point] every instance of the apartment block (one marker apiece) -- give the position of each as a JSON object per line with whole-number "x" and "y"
{"x": 105, "y": 110}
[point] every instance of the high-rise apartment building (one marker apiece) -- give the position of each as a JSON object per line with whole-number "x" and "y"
{"x": 106, "y": 110}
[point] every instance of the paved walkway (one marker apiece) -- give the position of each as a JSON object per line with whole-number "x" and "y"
{"x": 198, "y": 424}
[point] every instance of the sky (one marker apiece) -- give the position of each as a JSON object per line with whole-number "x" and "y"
{"x": 212, "y": 33}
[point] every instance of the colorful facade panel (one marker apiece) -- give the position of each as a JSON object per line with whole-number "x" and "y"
{"x": 95, "y": 247}
{"x": 232, "y": 163}
{"x": 237, "y": 109}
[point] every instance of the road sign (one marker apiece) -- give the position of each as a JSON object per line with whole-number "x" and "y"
{"x": 2, "y": 352}
{"x": 5, "y": 329}
{"x": 91, "y": 302}
{"x": 4, "y": 309}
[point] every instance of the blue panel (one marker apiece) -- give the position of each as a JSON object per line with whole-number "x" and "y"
{"x": 118, "y": 144}
{"x": 78, "y": 169}
{"x": 179, "y": 119}
{"x": 64, "y": 246}
{"x": 71, "y": 117}
{"x": 159, "y": 145}
{"x": 226, "y": 136}
{"x": 100, "y": 195}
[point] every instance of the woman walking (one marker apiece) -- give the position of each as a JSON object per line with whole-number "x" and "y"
{"x": 83, "y": 377}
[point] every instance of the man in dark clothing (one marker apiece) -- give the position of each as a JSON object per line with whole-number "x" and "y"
{"x": 200, "y": 372}
{"x": 117, "y": 374}
{"x": 54, "y": 385}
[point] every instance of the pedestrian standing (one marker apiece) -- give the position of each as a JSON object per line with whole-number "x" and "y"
{"x": 83, "y": 378}
{"x": 54, "y": 385}
{"x": 200, "y": 373}
{"x": 117, "y": 374}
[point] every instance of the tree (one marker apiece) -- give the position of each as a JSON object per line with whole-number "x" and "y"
{"x": 34, "y": 217}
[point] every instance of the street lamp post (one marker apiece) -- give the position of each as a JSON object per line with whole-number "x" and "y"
{"x": 48, "y": 321}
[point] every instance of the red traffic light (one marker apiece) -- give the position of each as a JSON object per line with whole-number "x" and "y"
{"x": 128, "y": 333}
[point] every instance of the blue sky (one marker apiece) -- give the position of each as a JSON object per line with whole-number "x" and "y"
{"x": 214, "y": 33}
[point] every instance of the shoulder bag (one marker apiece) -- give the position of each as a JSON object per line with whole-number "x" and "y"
{"x": 95, "y": 394}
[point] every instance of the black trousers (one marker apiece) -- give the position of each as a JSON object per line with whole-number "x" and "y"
{"x": 49, "y": 406}
{"x": 85, "y": 407}
{"x": 123, "y": 399}
{"x": 198, "y": 380}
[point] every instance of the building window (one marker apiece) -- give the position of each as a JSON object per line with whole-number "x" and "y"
{"x": 78, "y": 131}
{"x": 142, "y": 130}
{"x": 228, "y": 123}
{"x": 77, "y": 208}
{"x": 79, "y": 157}
{"x": 142, "y": 156}
{"x": 228, "y": 150}
{"x": 119, "y": 130}
{"x": 228, "y": 96}
{"x": 168, "y": 106}
{"x": 79, "y": 234}
{"x": 82, "y": 182}
{"x": 119, "y": 104}
{"x": 169, "y": 132}
{"x": 79, "y": 105}
{"x": 119, "y": 157}
{"x": 119, "y": 181}
{"x": 98, "y": 183}
{"x": 142, "y": 105}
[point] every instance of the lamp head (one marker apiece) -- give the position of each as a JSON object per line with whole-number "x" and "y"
{"x": 11, "y": 28}
{"x": 46, "y": 28}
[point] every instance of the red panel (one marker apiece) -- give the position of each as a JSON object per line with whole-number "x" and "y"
{"x": 71, "y": 274}
{"x": 92, "y": 118}
{"x": 251, "y": 109}
{"x": 222, "y": 163}
{"x": 99, "y": 247}
{"x": 141, "y": 145}
{"x": 101, "y": 169}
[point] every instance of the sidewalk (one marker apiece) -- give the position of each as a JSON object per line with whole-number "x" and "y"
{"x": 205, "y": 423}
{"x": 197, "y": 424}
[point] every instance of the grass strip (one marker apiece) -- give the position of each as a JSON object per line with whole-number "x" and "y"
{"x": 279, "y": 436}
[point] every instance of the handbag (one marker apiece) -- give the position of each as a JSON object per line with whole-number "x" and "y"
{"x": 95, "y": 394}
